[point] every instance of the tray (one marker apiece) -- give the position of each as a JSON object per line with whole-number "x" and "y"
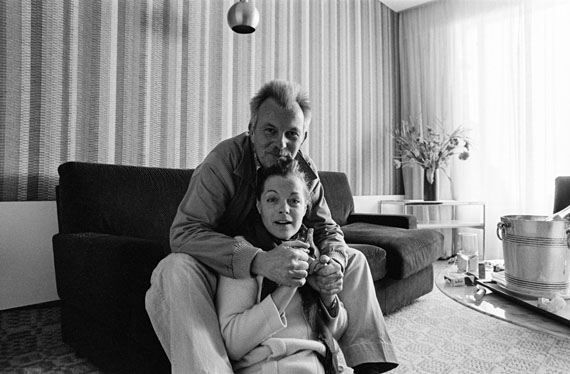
{"x": 528, "y": 293}
{"x": 562, "y": 316}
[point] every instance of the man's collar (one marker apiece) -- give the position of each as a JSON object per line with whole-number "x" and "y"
{"x": 256, "y": 160}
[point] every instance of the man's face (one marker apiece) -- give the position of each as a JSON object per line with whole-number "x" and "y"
{"x": 282, "y": 206}
{"x": 278, "y": 132}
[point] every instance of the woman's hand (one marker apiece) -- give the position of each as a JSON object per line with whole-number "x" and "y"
{"x": 327, "y": 278}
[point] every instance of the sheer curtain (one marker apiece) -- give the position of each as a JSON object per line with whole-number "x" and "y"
{"x": 501, "y": 69}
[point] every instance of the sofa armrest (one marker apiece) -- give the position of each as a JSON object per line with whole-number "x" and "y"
{"x": 404, "y": 221}
{"x": 97, "y": 271}
{"x": 407, "y": 251}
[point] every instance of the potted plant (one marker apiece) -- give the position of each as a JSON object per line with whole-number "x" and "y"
{"x": 431, "y": 150}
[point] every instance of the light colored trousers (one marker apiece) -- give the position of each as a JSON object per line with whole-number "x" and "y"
{"x": 180, "y": 304}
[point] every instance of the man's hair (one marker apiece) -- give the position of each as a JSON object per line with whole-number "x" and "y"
{"x": 284, "y": 167}
{"x": 285, "y": 94}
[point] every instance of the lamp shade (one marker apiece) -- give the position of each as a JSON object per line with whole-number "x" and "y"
{"x": 243, "y": 17}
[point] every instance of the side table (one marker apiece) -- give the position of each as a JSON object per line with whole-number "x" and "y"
{"x": 454, "y": 219}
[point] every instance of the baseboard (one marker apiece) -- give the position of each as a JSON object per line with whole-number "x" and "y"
{"x": 48, "y": 304}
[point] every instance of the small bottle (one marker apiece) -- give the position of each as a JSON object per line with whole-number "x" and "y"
{"x": 479, "y": 294}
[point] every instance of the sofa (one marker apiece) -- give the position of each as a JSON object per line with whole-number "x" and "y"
{"x": 114, "y": 221}
{"x": 561, "y": 193}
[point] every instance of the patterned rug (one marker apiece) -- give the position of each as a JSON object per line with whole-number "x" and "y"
{"x": 437, "y": 335}
{"x": 30, "y": 343}
{"x": 434, "y": 335}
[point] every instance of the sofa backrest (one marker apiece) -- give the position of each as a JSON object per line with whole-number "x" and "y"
{"x": 561, "y": 193}
{"x": 120, "y": 200}
{"x": 338, "y": 195}
{"x": 142, "y": 201}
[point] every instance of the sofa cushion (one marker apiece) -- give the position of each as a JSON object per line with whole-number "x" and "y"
{"x": 407, "y": 251}
{"x": 376, "y": 258}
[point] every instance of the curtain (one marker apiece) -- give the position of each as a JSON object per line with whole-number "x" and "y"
{"x": 500, "y": 69}
{"x": 161, "y": 82}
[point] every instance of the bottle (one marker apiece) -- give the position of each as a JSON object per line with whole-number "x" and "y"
{"x": 563, "y": 214}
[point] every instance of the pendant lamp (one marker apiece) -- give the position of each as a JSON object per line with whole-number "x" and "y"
{"x": 243, "y": 17}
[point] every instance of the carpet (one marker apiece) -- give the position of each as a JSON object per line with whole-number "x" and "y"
{"x": 433, "y": 335}
{"x": 30, "y": 343}
{"x": 438, "y": 335}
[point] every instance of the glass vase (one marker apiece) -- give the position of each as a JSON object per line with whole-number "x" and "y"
{"x": 430, "y": 189}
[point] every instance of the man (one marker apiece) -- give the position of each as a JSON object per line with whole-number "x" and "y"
{"x": 217, "y": 205}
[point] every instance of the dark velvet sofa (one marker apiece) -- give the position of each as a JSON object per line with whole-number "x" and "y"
{"x": 114, "y": 224}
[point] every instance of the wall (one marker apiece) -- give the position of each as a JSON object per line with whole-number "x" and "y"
{"x": 26, "y": 259}
{"x": 160, "y": 82}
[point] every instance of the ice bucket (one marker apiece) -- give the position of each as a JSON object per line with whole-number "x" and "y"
{"x": 536, "y": 254}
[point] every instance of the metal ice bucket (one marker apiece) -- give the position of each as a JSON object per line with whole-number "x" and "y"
{"x": 536, "y": 254}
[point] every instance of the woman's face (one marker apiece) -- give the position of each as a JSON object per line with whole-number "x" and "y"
{"x": 282, "y": 206}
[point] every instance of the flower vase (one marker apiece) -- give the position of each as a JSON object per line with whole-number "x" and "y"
{"x": 430, "y": 189}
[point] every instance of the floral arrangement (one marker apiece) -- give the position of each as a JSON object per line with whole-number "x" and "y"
{"x": 430, "y": 150}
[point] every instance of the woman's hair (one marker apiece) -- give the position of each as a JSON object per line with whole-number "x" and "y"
{"x": 284, "y": 167}
{"x": 286, "y": 94}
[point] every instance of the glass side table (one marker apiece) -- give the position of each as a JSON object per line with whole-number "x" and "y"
{"x": 442, "y": 214}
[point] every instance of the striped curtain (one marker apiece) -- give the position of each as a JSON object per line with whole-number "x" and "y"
{"x": 160, "y": 82}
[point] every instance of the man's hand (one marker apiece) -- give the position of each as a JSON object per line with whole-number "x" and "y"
{"x": 327, "y": 277}
{"x": 285, "y": 265}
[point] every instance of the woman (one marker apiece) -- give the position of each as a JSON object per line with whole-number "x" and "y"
{"x": 268, "y": 328}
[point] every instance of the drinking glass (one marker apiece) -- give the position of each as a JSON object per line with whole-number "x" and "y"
{"x": 468, "y": 255}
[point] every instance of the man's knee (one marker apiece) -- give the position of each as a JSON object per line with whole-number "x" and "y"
{"x": 357, "y": 272}
{"x": 182, "y": 271}
{"x": 177, "y": 266}
{"x": 356, "y": 258}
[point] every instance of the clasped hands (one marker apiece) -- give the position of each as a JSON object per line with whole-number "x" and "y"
{"x": 289, "y": 264}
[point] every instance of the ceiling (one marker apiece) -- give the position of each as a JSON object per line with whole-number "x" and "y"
{"x": 399, "y": 5}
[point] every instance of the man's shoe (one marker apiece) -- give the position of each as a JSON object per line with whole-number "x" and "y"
{"x": 374, "y": 367}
